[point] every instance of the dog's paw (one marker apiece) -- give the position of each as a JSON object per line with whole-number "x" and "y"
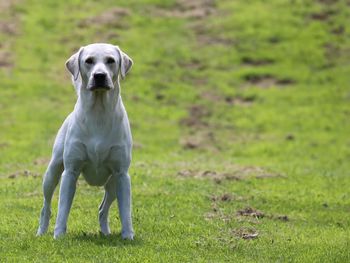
{"x": 129, "y": 235}
{"x": 59, "y": 233}
{"x": 41, "y": 231}
{"x": 105, "y": 231}
{"x": 104, "y": 226}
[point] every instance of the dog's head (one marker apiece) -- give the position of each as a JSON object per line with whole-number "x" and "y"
{"x": 99, "y": 66}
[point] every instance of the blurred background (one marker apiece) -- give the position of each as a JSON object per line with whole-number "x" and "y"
{"x": 237, "y": 79}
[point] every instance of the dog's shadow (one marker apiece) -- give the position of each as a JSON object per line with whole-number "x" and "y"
{"x": 113, "y": 240}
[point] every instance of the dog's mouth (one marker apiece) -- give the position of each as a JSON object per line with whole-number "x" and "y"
{"x": 99, "y": 88}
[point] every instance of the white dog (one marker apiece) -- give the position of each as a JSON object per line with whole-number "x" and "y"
{"x": 94, "y": 140}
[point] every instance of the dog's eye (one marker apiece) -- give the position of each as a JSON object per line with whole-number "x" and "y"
{"x": 110, "y": 60}
{"x": 89, "y": 61}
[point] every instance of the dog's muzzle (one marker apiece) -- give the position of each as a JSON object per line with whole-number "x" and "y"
{"x": 100, "y": 82}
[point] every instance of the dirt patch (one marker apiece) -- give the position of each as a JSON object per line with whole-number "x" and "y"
{"x": 25, "y": 173}
{"x": 323, "y": 15}
{"x": 193, "y": 9}
{"x": 234, "y": 172}
{"x": 207, "y": 38}
{"x": 196, "y": 113}
{"x": 211, "y": 95}
{"x": 283, "y": 218}
{"x": 290, "y": 137}
{"x": 238, "y": 100}
{"x": 249, "y": 61}
{"x": 193, "y": 64}
{"x": 209, "y": 174}
{"x": 249, "y": 211}
{"x": 4, "y": 145}
{"x": 332, "y": 51}
{"x": 201, "y": 139}
{"x": 31, "y": 194}
{"x": 8, "y": 27}
{"x": 253, "y": 171}
{"x": 113, "y": 17}
{"x": 9, "y": 18}
{"x": 201, "y": 135}
{"x": 245, "y": 233}
{"x": 269, "y": 175}
{"x": 224, "y": 197}
{"x": 267, "y": 81}
{"x": 196, "y": 11}
{"x": 5, "y": 59}
{"x": 137, "y": 145}
{"x": 7, "y": 5}
{"x": 41, "y": 161}
{"x": 339, "y": 30}
{"x": 328, "y": 2}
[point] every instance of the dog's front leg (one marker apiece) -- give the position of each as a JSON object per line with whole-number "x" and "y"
{"x": 67, "y": 191}
{"x": 109, "y": 197}
{"x": 124, "y": 204}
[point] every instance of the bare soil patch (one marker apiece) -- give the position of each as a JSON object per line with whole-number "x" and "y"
{"x": 333, "y": 52}
{"x": 224, "y": 197}
{"x": 209, "y": 174}
{"x": 267, "y": 81}
{"x": 193, "y": 64}
{"x": 269, "y": 175}
{"x": 9, "y": 27}
{"x": 245, "y": 233}
{"x": 339, "y": 30}
{"x": 200, "y": 139}
{"x": 207, "y": 38}
{"x": 236, "y": 100}
{"x": 323, "y": 15}
{"x": 249, "y": 61}
{"x": 234, "y": 172}
{"x": 193, "y": 9}
{"x": 4, "y": 145}
{"x": 112, "y": 17}
{"x": 25, "y": 173}
{"x": 7, "y": 5}
{"x": 5, "y": 59}
{"x": 283, "y": 218}
{"x": 41, "y": 161}
{"x": 328, "y": 2}
{"x": 249, "y": 211}
{"x": 240, "y": 100}
{"x": 196, "y": 114}
{"x": 196, "y": 11}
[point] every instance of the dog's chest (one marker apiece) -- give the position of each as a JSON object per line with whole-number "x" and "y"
{"x": 98, "y": 150}
{"x": 96, "y": 170}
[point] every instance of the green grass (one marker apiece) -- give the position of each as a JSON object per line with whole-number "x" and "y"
{"x": 293, "y": 125}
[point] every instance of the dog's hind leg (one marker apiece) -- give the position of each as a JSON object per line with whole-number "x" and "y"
{"x": 51, "y": 179}
{"x": 109, "y": 197}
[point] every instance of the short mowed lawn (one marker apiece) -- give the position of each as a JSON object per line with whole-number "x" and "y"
{"x": 240, "y": 114}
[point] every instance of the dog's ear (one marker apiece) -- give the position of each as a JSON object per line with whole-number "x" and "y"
{"x": 125, "y": 63}
{"x": 73, "y": 65}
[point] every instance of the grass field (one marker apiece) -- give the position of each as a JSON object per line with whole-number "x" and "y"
{"x": 240, "y": 117}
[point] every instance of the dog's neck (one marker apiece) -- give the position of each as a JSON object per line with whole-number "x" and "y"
{"x": 99, "y": 107}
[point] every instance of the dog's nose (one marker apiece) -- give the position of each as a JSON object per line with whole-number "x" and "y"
{"x": 100, "y": 77}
